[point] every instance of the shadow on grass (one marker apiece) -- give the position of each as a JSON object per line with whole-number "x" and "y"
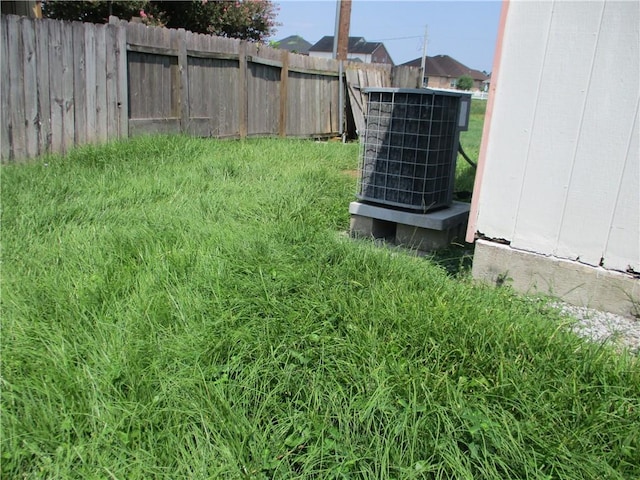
{"x": 456, "y": 259}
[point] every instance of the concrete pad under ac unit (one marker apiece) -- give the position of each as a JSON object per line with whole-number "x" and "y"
{"x": 423, "y": 231}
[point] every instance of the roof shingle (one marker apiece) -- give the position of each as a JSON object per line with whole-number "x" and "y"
{"x": 294, "y": 43}
{"x": 356, "y": 45}
{"x": 445, "y": 66}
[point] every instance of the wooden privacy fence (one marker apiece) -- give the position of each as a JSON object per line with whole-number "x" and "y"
{"x": 63, "y": 84}
{"x": 66, "y": 84}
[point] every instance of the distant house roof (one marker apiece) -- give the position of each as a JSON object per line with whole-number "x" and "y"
{"x": 294, "y": 43}
{"x": 445, "y": 66}
{"x": 356, "y": 45}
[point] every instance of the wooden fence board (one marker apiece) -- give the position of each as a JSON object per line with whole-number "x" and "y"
{"x": 101, "y": 84}
{"x": 243, "y": 110}
{"x": 16, "y": 86}
{"x": 284, "y": 94}
{"x": 112, "y": 87}
{"x": 293, "y": 102}
{"x": 213, "y": 72}
{"x": 183, "y": 67}
{"x": 263, "y": 99}
{"x": 30, "y": 76}
{"x": 153, "y": 82}
{"x": 121, "y": 82}
{"x": 405, "y": 77}
{"x": 44, "y": 99}
{"x": 90, "y": 81}
{"x": 68, "y": 100}
{"x": 217, "y": 80}
{"x": 79, "y": 83}
{"x": 335, "y": 98}
{"x": 5, "y": 136}
{"x": 356, "y": 98}
{"x": 153, "y": 89}
{"x": 145, "y": 126}
{"x": 55, "y": 85}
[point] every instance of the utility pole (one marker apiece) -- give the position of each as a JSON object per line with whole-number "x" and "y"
{"x": 424, "y": 59}
{"x": 344, "y": 21}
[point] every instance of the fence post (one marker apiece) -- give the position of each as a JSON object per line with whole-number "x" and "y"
{"x": 243, "y": 97}
{"x": 284, "y": 93}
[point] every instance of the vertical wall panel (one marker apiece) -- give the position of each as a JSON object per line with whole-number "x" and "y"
{"x": 525, "y": 37}
{"x": 622, "y": 251}
{"x": 551, "y": 157}
{"x": 606, "y": 128}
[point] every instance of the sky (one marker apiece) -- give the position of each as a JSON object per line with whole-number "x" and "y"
{"x": 464, "y": 30}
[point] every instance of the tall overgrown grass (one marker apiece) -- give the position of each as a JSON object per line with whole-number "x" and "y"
{"x": 470, "y": 141}
{"x": 183, "y": 308}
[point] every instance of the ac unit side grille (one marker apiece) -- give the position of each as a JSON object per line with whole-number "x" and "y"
{"x": 409, "y": 148}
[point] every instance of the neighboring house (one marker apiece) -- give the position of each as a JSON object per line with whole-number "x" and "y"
{"x": 442, "y": 71}
{"x": 358, "y": 50}
{"x": 294, "y": 44}
{"x": 556, "y": 203}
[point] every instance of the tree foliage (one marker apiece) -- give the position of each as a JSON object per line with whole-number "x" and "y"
{"x": 465, "y": 82}
{"x": 252, "y": 20}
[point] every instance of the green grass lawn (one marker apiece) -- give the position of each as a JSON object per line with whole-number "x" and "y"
{"x": 470, "y": 141}
{"x": 184, "y": 308}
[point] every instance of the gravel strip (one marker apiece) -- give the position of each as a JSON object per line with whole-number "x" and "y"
{"x": 623, "y": 332}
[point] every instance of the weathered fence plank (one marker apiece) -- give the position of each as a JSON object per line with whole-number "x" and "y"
{"x": 55, "y": 85}
{"x": 264, "y": 99}
{"x": 121, "y": 82}
{"x": 5, "y": 135}
{"x": 16, "y": 88}
{"x": 79, "y": 83}
{"x": 112, "y": 86}
{"x": 284, "y": 94}
{"x": 30, "y": 76}
{"x": 406, "y": 77}
{"x": 101, "y": 84}
{"x": 68, "y": 100}
{"x": 89, "y": 41}
{"x": 214, "y": 112}
{"x": 44, "y": 99}
{"x": 179, "y": 37}
{"x": 243, "y": 109}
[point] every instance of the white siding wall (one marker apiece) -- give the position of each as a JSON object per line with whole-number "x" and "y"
{"x": 561, "y": 170}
